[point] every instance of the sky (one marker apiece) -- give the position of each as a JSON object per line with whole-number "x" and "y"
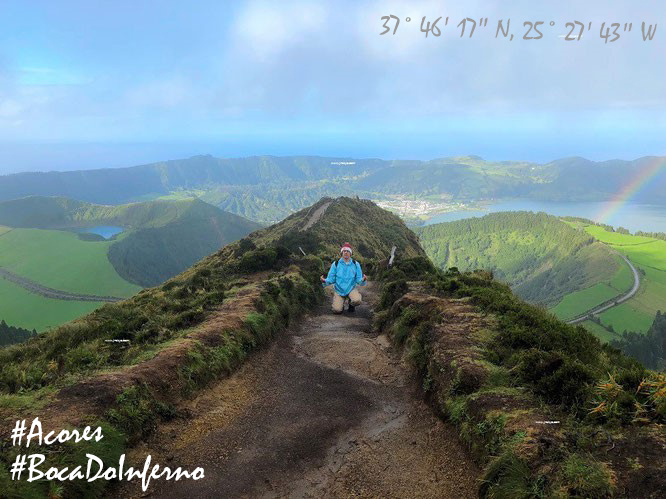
{"x": 95, "y": 84}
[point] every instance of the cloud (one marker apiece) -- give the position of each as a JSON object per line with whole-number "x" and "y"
{"x": 265, "y": 29}
{"x": 318, "y": 66}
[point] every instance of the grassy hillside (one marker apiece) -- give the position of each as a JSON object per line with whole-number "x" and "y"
{"x": 540, "y": 257}
{"x": 60, "y": 260}
{"x": 22, "y": 308}
{"x": 579, "y": 302}
{"x": 492, "y": 364}
{"x": 649, "y": 256}
{"x": 649, "y": 348}
{"x": 156, "y": 315}
{"x": 61, "y": 213}
{"x": 152, "y": 254}
{"x": 162, "y": 238}
{"x": 370, "y": 230}
{"x": 547, "y": 409}
{"x": 269, "y": 204}
{"x": 183, "y": 334}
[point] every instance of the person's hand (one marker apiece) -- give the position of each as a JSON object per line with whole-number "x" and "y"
{"x": 365, "y": 277}
{"x": 321, "y": 277}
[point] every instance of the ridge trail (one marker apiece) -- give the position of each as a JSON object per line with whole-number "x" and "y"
{"x": 316, "y": 216}
{"x": 328, "y": 410}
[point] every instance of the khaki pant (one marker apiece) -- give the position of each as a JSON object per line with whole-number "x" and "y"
{"x": 339, "y": 301}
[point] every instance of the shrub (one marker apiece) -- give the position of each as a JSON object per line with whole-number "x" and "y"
{"x": 392, "y": 292}
{"x": 584, "y": 477}
{"x": 134, "y": 413}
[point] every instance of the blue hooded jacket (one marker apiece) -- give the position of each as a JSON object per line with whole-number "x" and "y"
{"x": 345, "y": 276}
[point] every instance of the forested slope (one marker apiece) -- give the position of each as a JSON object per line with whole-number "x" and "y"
{"x": 540, "y": 257}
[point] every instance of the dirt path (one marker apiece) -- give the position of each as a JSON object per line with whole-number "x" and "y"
{"x": 329, "y": 410}
{"x": 316, "y": 216}
{"x": 56, "y": 294}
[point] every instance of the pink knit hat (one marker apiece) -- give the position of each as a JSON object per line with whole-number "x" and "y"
{"x": 347, "y": 247}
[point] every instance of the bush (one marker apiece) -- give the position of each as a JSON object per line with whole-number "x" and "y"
{"x": 392, "y": 292}
{"x": 584, "y": 477}
{"x": 258, "y": 260}
{"x": 557, "y": 378}
{"x": 135, "y": 413}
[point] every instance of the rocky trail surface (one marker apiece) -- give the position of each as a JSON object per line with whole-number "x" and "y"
{"x": 328, "y": 410}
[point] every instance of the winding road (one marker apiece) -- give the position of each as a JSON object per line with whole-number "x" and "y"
{"x": 613, "y": 302}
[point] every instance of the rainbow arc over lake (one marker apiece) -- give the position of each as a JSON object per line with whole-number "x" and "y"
{"x": 642, "y": 178}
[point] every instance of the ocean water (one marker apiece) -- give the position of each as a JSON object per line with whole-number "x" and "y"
{"x": 645, "y": 217}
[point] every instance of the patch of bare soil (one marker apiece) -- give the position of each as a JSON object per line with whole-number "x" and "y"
{"x": 329, "y": 410}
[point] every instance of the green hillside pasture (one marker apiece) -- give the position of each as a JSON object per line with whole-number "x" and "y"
{"x": 627, "y": 317}
{"x": 649, "y": 255}
{"x": 581, "y": 301}
{"x": 60, "y": 260}
{"x": 638, "y": 313}
{"x": 542, "y": 258}
{"x": 599, "y": 331}
{"x": 4, "y": 230}
{"x": 616, "y": 238}
{"x": 21, "y": 308}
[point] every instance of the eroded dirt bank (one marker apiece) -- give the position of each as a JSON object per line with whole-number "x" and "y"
{"x": 329, "y": 410}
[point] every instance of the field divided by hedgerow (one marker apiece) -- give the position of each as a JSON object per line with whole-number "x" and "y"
{"x": 581, "y": 301}
{"x": 649, "y": 256}
{"x": 22, "y": 308}
{"x": 60, "y": 260}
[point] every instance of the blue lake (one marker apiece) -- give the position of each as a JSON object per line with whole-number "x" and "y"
{"x": 648, "y": 218}
{"x": 106, "y": 231}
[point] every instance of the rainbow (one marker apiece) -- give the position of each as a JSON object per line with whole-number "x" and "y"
{"x": 646, "y": 173}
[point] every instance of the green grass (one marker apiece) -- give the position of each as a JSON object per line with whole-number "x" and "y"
{"x": 615, "y": 238}
{"x": 599, "y": 331}
{"x": 540, "y": 257}
{"x": 4, "y": 230}
{"x": 649, "y": 256}
{"x": 60, "y": 260}
{"x": 579, "y": 302}
{"x": 627, "y": 317}
{"x": 21, "y": 308}
{"x": 33, "y": 401}
{"x": 532, "y": 364}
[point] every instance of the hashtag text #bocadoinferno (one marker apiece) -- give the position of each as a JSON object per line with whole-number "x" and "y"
{"x": 95, "y": 470}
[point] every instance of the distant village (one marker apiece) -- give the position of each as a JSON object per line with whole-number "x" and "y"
{"x": 419, "y": 208}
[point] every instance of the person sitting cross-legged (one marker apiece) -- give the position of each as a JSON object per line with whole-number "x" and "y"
{"x": 345, "y": 274}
